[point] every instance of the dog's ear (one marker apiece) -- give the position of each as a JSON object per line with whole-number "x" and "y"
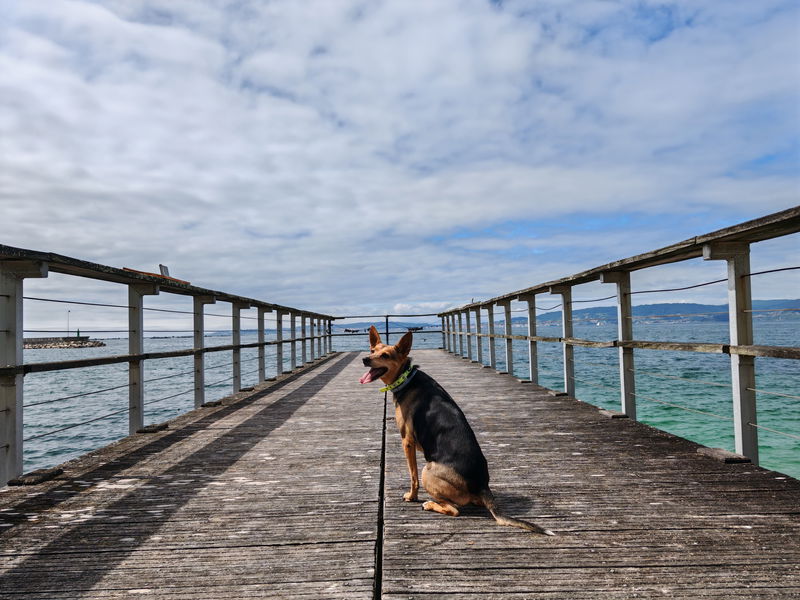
{"x": 404, "y": 345}
{"x": 374, "y": 337}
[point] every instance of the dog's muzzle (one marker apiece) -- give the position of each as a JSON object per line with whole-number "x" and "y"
{"x": 367, "y": 361}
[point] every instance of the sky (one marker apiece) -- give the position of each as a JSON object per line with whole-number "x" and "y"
{"x": 353, "y": 157}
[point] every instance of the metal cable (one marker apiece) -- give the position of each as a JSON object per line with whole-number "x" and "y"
{"x": 218, "y": 382}
{"x": 595, "y": 300}
{"x": 152, "y": 309}
{"x": 169, "y": 376}
{"x": 548, "y": 309}
{"x": 594, "y": 364}
{"x": 789, "y": 435}
{"x": 659, "y": 375}
{"x": 41, "y": 435}
{"x": 168, "y": 397}
{"x": 688, "y": 287}
{"x": 719, "y": 312}
{"x": 218, "y": 366}
{"x": 551, "y": 372}
{"x": 772, "y": 271}
{"x": 694, "y": 410}
{"x": 774, "y": 394}
{"x": 85, "y": 331}
{"x": 74, "y": 396}
{"x": 384, "y": 316}
{"x": 76, "y": 302}
{"x": 597, "y": 385}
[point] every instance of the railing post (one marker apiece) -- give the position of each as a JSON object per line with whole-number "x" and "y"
{"x": 293, "y": 343}
{"x": 453, "y": 334}
{"x": 386, "y": 341}
{"x": 279, "y": 346}
{"x": 565, "y": 291}
{"x": 469, "y": 335}
{"x": 303, "y": 354}
{"x": 627, "y": 376}
{"x": 492, "y": 349}
{"x": 478, "y": 338}
{"x": 262, "y": 363}
{"x": 444, "y": 335}
{"x": 743, "y": 372}
{"x": 320, "y": 335}
{"x": 533, "y": 348}
{"x": 236, "y": 330}
{"x": 12, "y": 274}
{"x": 509, "y": 342}
{"x": 311, "y": 336}
{"x": 199, "y": 344}
{"x": 136, "y": 294}
{"x": 460, "y": 334}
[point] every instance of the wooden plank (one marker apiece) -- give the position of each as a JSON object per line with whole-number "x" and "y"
{"x": 267, "y": 487}
{"x": 771, "y": 351}
{"x": 637, "y": 512}
{"x": 678, "y": 346}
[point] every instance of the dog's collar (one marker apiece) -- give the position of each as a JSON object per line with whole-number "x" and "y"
{"x": 401, "y": 381}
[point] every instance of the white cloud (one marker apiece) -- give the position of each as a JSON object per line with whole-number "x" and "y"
{"x": 317, "y": 153}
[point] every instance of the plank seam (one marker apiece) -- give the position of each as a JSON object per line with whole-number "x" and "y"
{"x": 377, "y": 592}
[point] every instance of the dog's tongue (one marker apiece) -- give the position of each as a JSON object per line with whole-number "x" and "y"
{"x": 368, "y": 376}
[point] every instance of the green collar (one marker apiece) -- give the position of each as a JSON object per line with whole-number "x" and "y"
{"x": 400, "y": 381}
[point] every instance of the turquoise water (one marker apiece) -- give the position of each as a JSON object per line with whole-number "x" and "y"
{"x": 169, "y": 386}
{"x": 676, "y": 377}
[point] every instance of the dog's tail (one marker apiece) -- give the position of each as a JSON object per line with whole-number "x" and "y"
{"x": 489, "y": 502}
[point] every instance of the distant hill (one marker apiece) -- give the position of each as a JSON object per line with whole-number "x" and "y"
{"x": 653, "y": 313}
{"x": 677, "y": 311}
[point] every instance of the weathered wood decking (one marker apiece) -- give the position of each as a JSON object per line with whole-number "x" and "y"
{"x": 278, "y": 495}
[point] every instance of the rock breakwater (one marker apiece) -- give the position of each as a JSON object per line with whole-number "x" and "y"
{"x": 62, "y": 342}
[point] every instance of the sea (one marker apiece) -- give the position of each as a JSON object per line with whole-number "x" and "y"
{"x": 685, "y": 393}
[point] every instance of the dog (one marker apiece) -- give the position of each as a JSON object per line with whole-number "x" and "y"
{"x": 456, "y": 472}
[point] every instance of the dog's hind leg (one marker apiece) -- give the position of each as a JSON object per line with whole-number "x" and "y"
{"x": 441, "y": 506}
{"x": 442, "y": 483}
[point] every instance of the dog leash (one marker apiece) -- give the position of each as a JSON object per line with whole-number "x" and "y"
{"x": 401, "y": 381}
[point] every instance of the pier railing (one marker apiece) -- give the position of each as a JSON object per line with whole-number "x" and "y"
{"x": 730, "y": 247}
{"x": 301, "y": 337}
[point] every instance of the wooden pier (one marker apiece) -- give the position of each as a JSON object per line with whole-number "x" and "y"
{"x": 280, "y": 492}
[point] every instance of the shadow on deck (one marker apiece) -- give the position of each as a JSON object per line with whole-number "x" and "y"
{"x": 277, "y": 494}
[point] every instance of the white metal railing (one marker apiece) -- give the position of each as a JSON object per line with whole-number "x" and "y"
{"x": 730, "y": 245}
{"x": 17, "y": 265}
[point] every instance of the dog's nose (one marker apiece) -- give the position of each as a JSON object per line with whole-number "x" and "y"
{"x": 366, "y": 360}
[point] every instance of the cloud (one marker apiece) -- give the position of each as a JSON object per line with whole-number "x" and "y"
{"x": 348, "y": 156}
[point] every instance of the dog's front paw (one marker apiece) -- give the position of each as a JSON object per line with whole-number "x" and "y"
{"x": 410, "y": 496}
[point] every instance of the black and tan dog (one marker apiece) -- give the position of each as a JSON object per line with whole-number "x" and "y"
{"x": 456, "y": 472}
